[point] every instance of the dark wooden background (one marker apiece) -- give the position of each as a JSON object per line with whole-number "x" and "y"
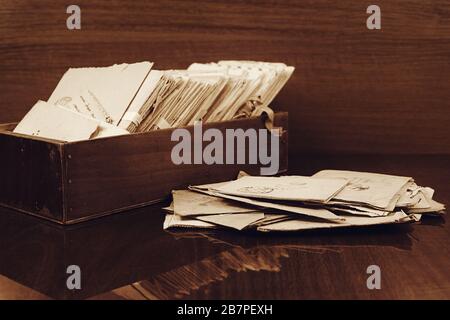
{"x": 354, "y": 90}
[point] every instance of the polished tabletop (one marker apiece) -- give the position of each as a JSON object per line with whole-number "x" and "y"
{"x": 130, "y": 256}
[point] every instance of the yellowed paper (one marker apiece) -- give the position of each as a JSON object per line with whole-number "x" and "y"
{"x": 237, "y": 221}
{"x": 102, "y": 93}
{"x": 317, "y": 213}
{"x": 190, "y": 203}
{"x": 350, "y": 221}
{"x": 53, "y": 122}
{"x": 175, "y": 221}
{"x": 294, "y": 188}
{"x": 378, "y": 190}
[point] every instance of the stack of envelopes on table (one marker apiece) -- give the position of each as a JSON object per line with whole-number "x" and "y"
{"x": 328, "y": 199}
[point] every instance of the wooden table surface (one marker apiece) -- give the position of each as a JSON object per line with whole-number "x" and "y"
{"x": 129, "y": 256}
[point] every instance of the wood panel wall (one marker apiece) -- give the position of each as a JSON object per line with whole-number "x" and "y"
{"x": 354, "y": 91}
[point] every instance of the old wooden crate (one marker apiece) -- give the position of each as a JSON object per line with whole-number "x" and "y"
{"x": 72, "y": 182}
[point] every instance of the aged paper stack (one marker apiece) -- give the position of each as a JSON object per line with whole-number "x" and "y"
{"x": 328, "y": 199}
{"x": 126, "y": 98}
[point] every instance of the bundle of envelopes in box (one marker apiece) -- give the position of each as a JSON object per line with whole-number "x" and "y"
{"x": 328, "y": 199}
{"x": 101, "y": 102}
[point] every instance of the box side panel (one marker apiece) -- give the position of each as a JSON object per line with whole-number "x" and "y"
{"x": 30, "y": 176}
{"x": 114, "y": 174}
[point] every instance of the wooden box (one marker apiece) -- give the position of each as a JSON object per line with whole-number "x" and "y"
{"x": 73, "y": 182}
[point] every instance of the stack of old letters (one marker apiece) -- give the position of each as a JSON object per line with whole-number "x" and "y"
{"x": 126, "y": 98}
{"x": 328, "y": 199}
